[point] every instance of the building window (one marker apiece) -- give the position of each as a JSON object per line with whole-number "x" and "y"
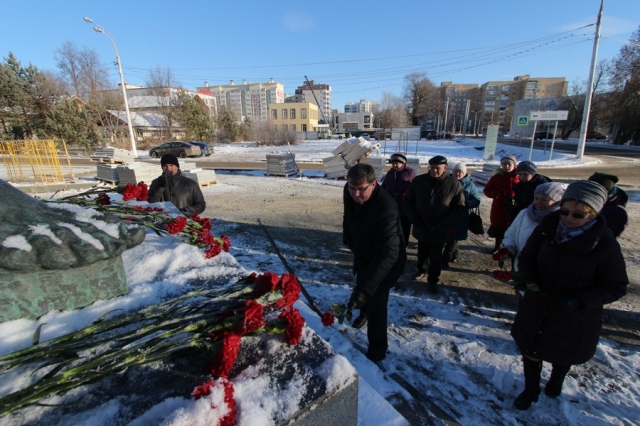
{"x": 285, "y": 128}
{"x": 293, "y": 127}
{"x": 284, "y": 114}
{"x": 303, "y": 113}
{"x": 304, "y": 127}
{"x": 275, "y": 127}
{"x": 274, "y": 114}
{"x": 292, "y": 113}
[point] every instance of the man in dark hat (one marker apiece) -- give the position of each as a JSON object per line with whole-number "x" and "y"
{"x": 396, "y": 182}
{"x": 173, "y": 186}
{"x": 614, "y": 210}
{"x": 434, "y": 204}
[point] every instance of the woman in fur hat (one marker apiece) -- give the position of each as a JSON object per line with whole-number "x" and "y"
{"x": 573, "y": 266}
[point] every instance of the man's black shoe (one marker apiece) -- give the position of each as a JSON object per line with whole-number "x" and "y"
{"x": 360, "y": 321}
{"x": 432, "y": 288}
{"x": 419, "y": 276}
{"x": 445, "y": 265}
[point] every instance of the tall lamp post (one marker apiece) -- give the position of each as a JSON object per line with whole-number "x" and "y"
{"x": 100, "y": 29}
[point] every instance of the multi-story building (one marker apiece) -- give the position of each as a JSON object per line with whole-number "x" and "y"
{"x": 293, "y": 117}
{"x": 248, "y": 100}
{"x": 352, "y": 121}
{"x": 457, "y": 96}
{"x": 322, "y": 94}
{"x": 362, "y": 106}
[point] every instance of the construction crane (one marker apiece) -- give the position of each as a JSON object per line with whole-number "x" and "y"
{"x": 324, "y": 119}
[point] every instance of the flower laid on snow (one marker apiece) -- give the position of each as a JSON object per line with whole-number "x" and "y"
{"x": 327, "y": 319}
{"x": 139, "y": 192}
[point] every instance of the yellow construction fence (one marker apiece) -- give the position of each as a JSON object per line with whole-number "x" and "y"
{"x": 36, "y": 161}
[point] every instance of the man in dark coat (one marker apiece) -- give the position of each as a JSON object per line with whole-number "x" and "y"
{"x": 614, "y": 209}
{"x": 434, "y": 204}
{"x": 371, "y": 229}
{"x": 173, "y": 186}
{"x": 524, "y": 190}
{"x": 396, "y": 182}
{"x": 573, "y": 266}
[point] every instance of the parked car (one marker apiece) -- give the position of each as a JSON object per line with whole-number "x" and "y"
{"x": 543, "y": 135}
{"x": 337, "y": 135}
{"x": 429, "y": 134}
{"x": 596, "y": 136}
{"x": 205, "y": 148}
{"x": 179, "y": 149}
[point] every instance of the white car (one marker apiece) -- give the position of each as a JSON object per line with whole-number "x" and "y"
{"x": 337, "y": 135}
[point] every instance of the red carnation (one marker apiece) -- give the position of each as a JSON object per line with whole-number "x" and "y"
{"x": 143, "y": 192}
{"x": 226, "y": 242}
{"x": 130, "y": 192}
{"x": 139, "y": 208}
{"x": 203, "y": 390}
{"x": 213, "y": 250}
{"x": 295, "y": 322}
{"x": 327, "y": 319}
{"x": 290, "y": 290}
{"x": 225, "y": 359}
{"x": 265, "y": 283}
{"x": 501, "y": 275}
{"x": 103, "y": 199}
{"x": 176, "y": 225}
{"x": 253, "y": 317}
{"x": 230, "y": 418}
{"x": 204, "y": 237}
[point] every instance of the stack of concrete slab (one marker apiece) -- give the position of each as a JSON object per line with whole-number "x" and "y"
{"x": 281, "y": 164}
{"x": 377, "y": 162}
{"x": 350, "y": 152}
{"x": 138, "y": 172}
{"x": 202, "y": 176}
{"x": 112, "y": 155}
{"x": 414, "y": 163}
{"x": 107, "y": 172}
{"x": 483, "y": 176}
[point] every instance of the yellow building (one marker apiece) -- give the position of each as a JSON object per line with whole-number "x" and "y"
{"x": 293, "y": 117}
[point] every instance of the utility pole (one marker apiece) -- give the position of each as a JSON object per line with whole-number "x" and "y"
{"x": 592, "y": 72}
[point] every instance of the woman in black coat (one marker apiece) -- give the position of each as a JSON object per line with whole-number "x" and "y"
{"x": 573, "y": 265}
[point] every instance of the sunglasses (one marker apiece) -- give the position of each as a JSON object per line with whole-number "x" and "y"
{"x": 575, "y": 215}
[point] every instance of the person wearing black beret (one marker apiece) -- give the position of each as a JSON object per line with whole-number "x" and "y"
{"x": 434, "y": 204}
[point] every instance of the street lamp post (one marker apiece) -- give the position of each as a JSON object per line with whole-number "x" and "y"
{"x": 100, "y": 29}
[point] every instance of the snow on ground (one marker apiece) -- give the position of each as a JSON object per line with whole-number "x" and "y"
{"x": 461, "y": 357}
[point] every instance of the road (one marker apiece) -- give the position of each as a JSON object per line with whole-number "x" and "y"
{"x": 591, "y": 148}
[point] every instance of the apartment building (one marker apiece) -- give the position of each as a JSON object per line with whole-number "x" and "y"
{"x": 248, "y": 100}
{"x": 322, "y": 93}
{"x": 362, "y": 106}
{"x": 352, "y": 120}
{"x": 458, "y": 95}
{"x": 293, "y": 117}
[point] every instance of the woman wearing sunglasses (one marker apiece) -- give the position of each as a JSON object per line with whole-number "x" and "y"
{"x": 573, "y": 266}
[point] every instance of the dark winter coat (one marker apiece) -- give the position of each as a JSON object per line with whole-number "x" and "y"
{"x": 499, "y": 188}
{"x": 523, "y": 194}
{"x": 590, "y": 268}
{"x": 373, "y": 233}
{"x": 434, "y": 206}
{"x": 615, "y": 212}
{"x": 471, "y": 201}
{"x": 397, "y": 183}
{"x": 184, "y": 193}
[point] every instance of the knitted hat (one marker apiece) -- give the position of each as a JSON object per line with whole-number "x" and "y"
{"x": 461, "y": 167}
{"x": 509, "y": 157}
{"x": 551, "y": 190}
{"x": 588, "y": 192}
{"x": 399, "y": 158}
{"x": 527, "y": 166}
{"x": 169, "y": 159}
{"x": 438, "y": 159}
{"x": 608, "y": 181}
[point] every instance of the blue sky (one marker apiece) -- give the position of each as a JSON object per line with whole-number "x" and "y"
{"x": 361, "y": 49}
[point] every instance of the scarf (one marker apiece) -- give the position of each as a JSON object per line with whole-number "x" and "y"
{"x": 537, "y": 215}
{"x": 564, "y": 234}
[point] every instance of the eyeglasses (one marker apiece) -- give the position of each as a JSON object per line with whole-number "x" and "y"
{"x": 575, "y": 215}
{"x": 360, "y": 190}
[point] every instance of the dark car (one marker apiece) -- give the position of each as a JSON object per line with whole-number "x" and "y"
{"x": 179, "y": 149}
{"x": 595, "y": 136}
{"x": 205, "y": 148}
{"x": 428, "y": 134}
{"x": 543, "y": 135}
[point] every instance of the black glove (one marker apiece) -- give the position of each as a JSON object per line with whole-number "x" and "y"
{"x": 167, "y": 178}
{"x": 569, "y": 303}
{"x": 358, "y": 299}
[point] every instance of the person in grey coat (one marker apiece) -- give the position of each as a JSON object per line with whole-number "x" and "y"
{"x": 471, "y": 201}
{"x": 173, "y": 186}
{"x": 573, "y": 266}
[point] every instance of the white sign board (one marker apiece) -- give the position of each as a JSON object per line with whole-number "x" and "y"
{"x": 491, "y": 141}
{"x": 549, "y": 115}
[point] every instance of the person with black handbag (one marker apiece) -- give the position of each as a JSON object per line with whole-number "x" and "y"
{"x": 471, "y": 201}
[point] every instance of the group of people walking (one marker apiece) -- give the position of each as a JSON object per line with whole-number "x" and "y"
{"x": 562, "y": 241}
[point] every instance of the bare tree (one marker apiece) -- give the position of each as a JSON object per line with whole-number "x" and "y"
{"x": 420, "y": 96}
{"x": 392, "y": 112}
{"x": 161, "y": 82}
{"x": 82, "y": 70}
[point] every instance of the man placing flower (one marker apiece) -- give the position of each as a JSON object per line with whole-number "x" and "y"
{"x": 173, "y": 186}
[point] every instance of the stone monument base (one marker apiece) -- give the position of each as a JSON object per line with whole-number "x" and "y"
{"x": 31, "y": 295}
